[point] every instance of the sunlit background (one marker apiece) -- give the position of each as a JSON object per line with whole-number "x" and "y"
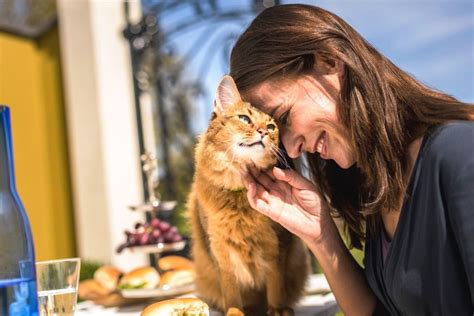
{"x": 432, "y": 40}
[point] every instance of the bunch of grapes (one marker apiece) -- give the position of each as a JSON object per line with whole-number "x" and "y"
{"x": 150, "y": 233}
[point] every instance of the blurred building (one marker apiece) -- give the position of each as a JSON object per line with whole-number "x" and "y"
{"x": 68, "y": 83}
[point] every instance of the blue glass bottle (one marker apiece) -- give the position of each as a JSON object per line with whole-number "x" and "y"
{"x": 18, "y": 296}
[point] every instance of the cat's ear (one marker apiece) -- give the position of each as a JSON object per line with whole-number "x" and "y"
{"x": 226, "y": 94}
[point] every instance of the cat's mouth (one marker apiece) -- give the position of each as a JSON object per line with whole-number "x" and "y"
{"x": 253, "y": 144}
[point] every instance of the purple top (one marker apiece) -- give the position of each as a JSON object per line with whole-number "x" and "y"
{"x": 385, "y": 243}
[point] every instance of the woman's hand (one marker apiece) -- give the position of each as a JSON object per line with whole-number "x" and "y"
{"x": 289, "y": 199}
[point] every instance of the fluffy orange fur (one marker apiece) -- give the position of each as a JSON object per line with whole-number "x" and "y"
{"x": 242, "y": 258}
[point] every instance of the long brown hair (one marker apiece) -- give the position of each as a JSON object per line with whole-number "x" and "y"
{"x": 382, "y": 107}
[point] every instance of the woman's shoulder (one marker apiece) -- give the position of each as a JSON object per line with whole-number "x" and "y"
{"x": 450, "y": 146}
{"x": 452, "y": 131}
{"x": 451, "y": 139}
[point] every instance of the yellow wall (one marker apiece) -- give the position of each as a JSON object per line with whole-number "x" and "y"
{"x": 30, "y": 83}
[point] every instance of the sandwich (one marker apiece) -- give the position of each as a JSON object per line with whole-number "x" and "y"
{"x": 175, "y": 263}
{"x": 177, "y": 278}
{"x": 141, "y": 278}
{"x": 178, "y": 307}
{"x": 108, "y": 277}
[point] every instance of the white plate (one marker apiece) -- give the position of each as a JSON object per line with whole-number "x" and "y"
{"x": 159, "y": 247}
{"x": 162, "y": 292}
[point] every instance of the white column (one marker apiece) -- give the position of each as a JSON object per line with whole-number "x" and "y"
{"x": 102, "y": 132}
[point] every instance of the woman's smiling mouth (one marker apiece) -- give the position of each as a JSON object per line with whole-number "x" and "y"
{"x": 321, "y": 145}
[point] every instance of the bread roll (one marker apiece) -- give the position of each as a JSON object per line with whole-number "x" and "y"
{"x": 175, "y": 263}
{"x": 108, "y": 277}
{"x": 177, "y": 278}
{"x": 141, "y": 278}
{"x": 233, "y": 311}
{"x": 91, "y": 289}
{"x": 178, "y": 307}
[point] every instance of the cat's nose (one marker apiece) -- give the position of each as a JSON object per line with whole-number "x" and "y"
{"x": 262, "y": 132}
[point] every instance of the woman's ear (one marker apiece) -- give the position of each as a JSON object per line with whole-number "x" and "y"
{"x": 226, "y": 94}
{"x": 325, "y": 64}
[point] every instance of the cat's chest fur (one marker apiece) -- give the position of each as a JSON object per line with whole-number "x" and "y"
{"x": 244, "y": 238}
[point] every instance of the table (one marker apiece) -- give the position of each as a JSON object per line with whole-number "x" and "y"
{"x": 322, "y": 304}
{"x": 311, "y": 305}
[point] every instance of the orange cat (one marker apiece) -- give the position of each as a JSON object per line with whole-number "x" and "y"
{"x": 243, "y": 259}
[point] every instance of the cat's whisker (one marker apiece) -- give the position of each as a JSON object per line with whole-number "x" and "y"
{"x": 280, "y": 156}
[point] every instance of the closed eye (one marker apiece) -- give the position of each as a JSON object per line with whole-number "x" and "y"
{"x": 245, "y": 119}
{"x": 283, "y": 119}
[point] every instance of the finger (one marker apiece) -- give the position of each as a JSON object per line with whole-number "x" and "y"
{"x": 252, "y": 190}
{"x": 256, "y": 192}
{"x": 270, "y": 174}
{"x": 246, "y": 178}
{"x": 264, "y": 208}
{"x": 252, "y": 195}
{"x": 292, "y": 178}
{"x": 254, "y": 171}
{"x": 265, "y": 180}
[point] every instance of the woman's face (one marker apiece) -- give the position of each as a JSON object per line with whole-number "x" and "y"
{"x": 305, "y": 110}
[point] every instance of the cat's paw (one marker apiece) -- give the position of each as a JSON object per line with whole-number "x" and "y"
{"x": 286, "y": 311}
{"x": 233, "y": 311}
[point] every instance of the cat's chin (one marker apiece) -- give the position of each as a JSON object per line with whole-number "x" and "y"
{"x": 251, "y": 153}
{"x": 263, "y": 163}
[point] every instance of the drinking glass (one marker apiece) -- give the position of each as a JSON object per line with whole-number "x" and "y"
{"x": 57, "y": 286}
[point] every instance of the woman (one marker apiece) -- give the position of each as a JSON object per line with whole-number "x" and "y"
{"x": 390, "y": 156}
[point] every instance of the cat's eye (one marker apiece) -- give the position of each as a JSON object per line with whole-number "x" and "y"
{"x": 271, "y": 127}
{"x": 245, "y": 119}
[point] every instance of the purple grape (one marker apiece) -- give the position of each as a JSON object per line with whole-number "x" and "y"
{"x": 144, "y": 239}
{"x": 155, "y": 223}
{"x": 151, "y": 239}
{"x": 164, "y": 227}
{"x": 156, "y": 233}
{"x": 174, "y": 230}
{"x": 169, "y": 235}
{"x": 177, "y": 238}
{"x": 160, "y": 239}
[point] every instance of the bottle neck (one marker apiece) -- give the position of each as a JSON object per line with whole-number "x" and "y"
{"x": 7, "y": 179}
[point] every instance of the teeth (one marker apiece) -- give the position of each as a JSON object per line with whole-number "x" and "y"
{"x": 319, "y": 148}
{"x": 320, "y": 145}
